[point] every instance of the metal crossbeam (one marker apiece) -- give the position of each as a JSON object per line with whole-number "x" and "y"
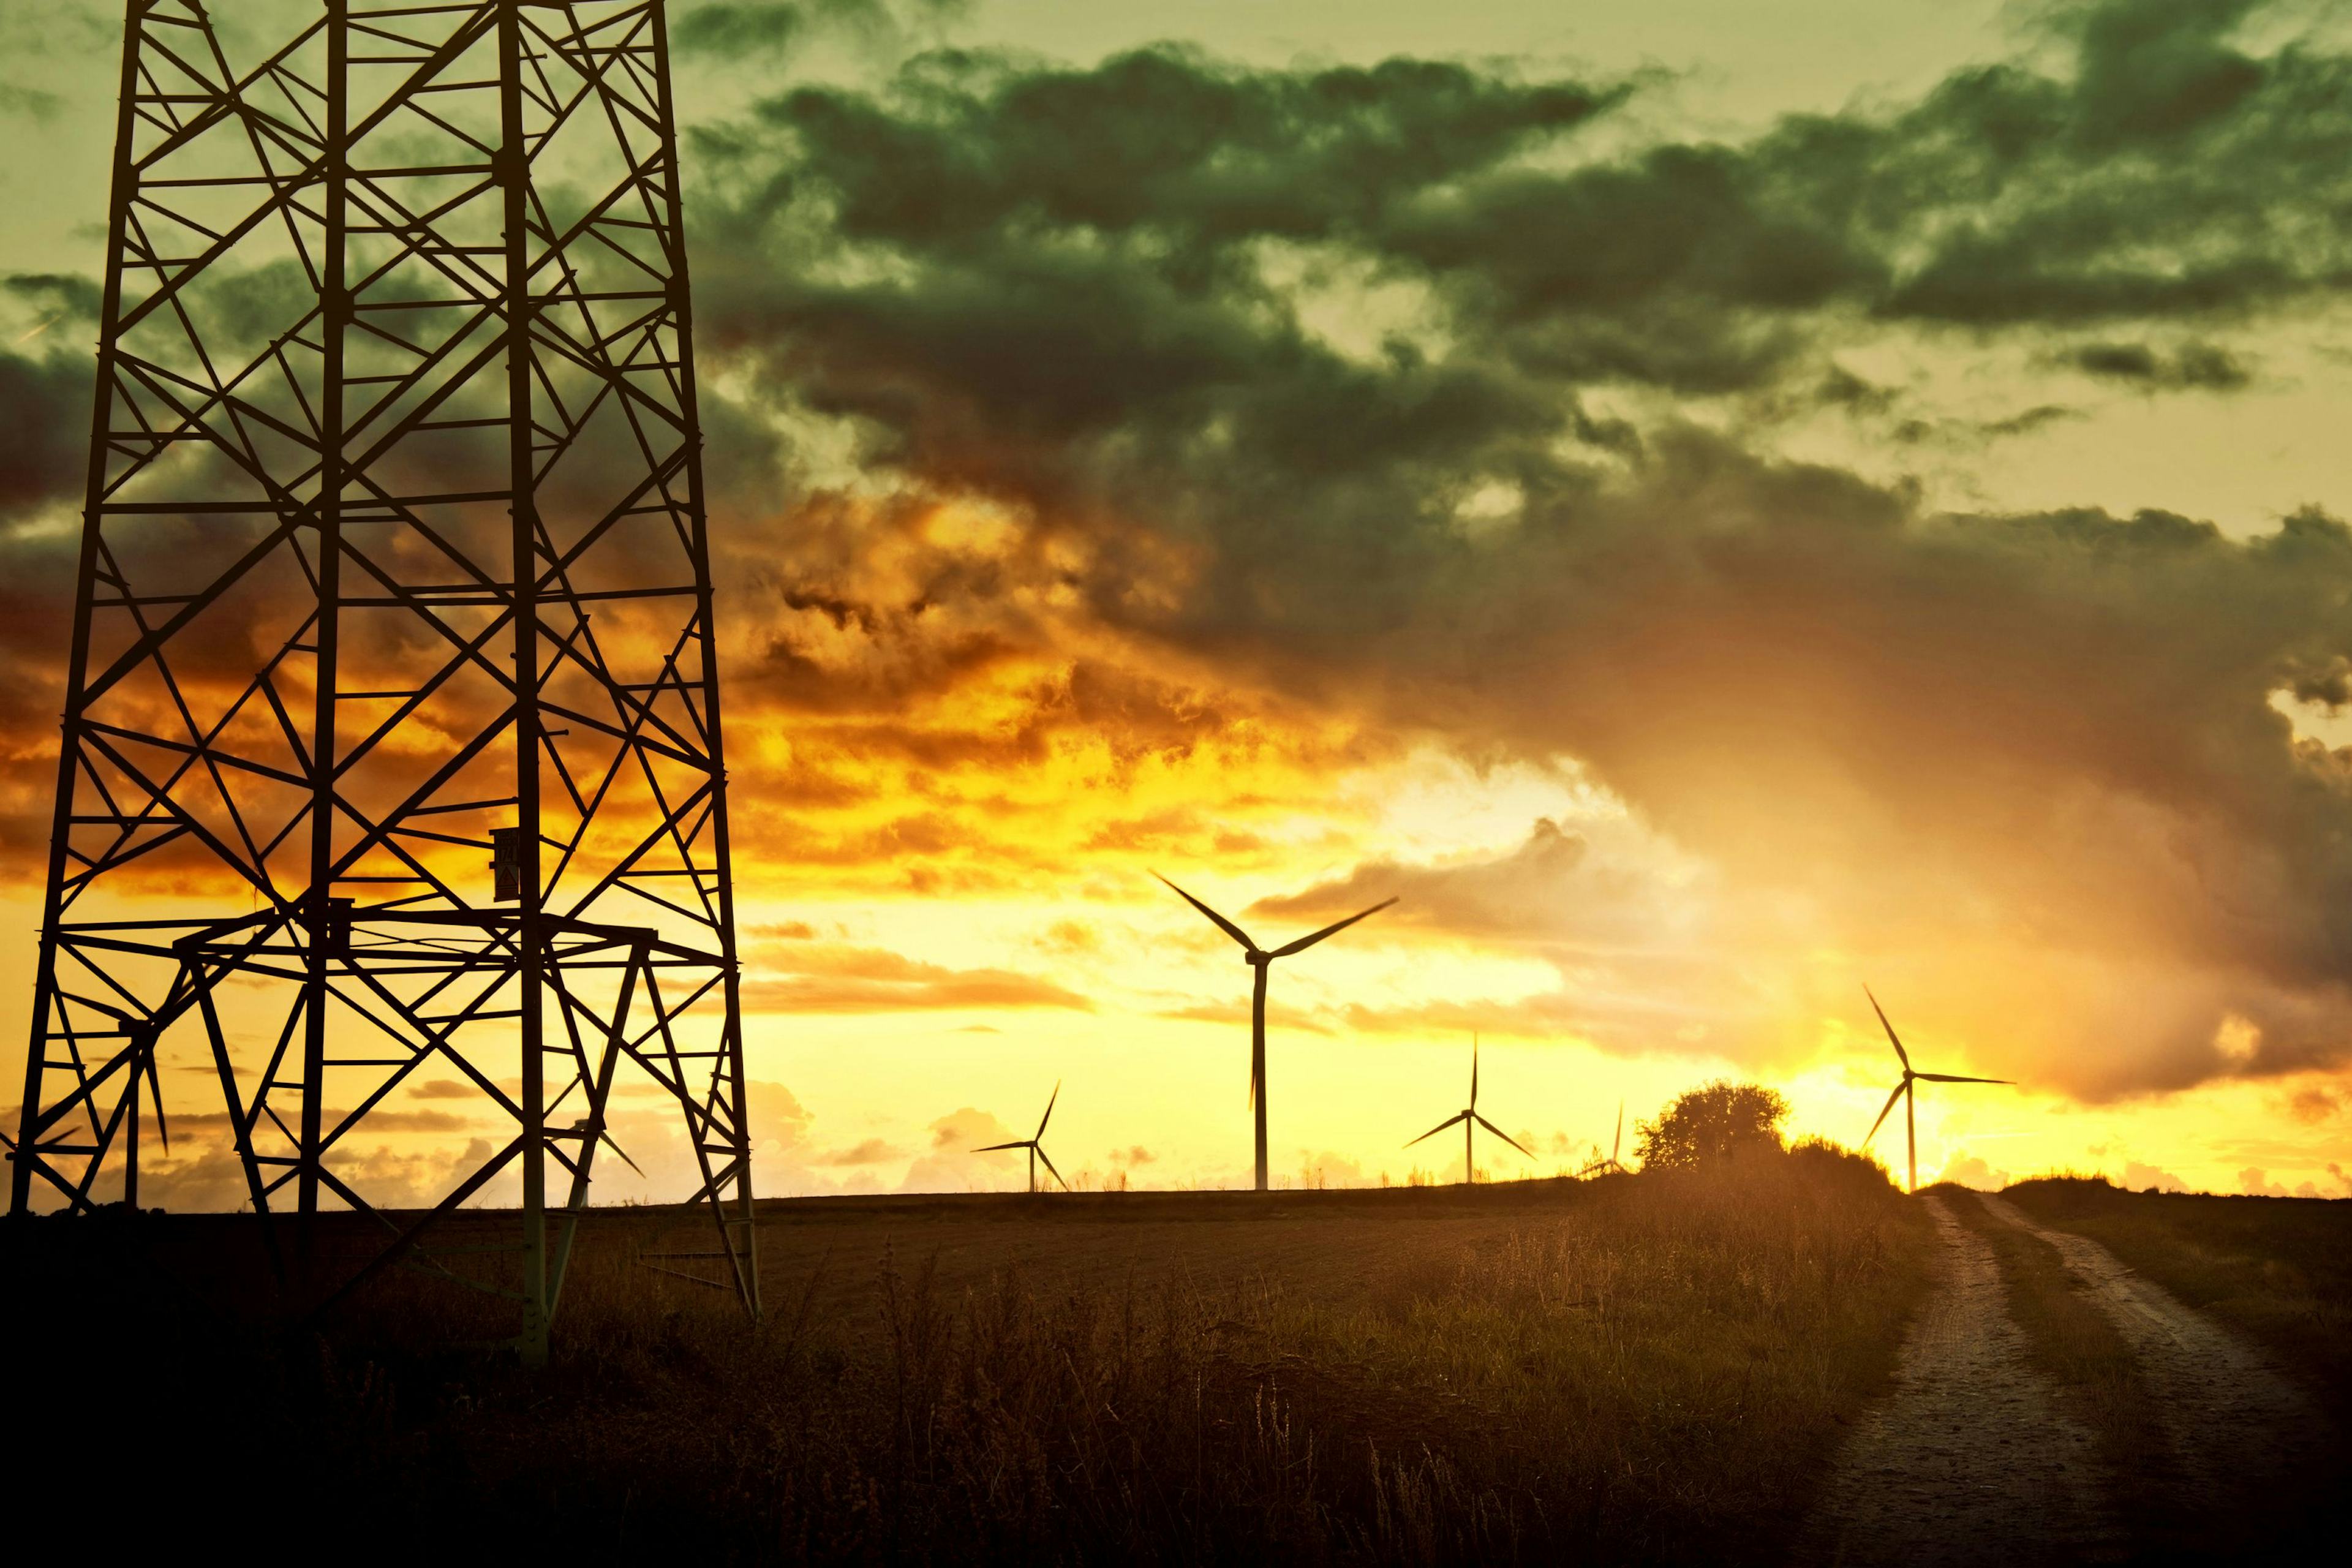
{"x": 393, "y": 565}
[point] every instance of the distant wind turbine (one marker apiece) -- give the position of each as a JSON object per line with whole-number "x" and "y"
{"x": 1617, "y": 1139}
{"x": 1035, "y": 1145}
{"x": 1260, "y": 960}
{"x": 1470, "y": 1120}
{"x": 1903, "y": 1091}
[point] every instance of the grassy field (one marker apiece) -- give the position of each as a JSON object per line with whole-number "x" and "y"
{"x": 1653, "y": 1368}
{"x": 2277, "y": 1270}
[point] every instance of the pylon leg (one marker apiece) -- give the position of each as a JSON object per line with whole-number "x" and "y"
{"x": 456, "y": 491}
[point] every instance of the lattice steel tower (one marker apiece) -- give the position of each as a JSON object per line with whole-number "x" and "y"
{"x": 392, "y": 742}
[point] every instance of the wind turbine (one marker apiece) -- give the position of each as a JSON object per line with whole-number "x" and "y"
{"x": 1035, "y": 1145}
{"x": 1260, "y": 960}
{"x": 1617, "y": 1139}
{"x": 1471, "y": 1120}
{"x": 1903, "y": 1091}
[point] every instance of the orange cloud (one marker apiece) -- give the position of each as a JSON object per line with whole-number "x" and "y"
{"x": 832, "y": 978}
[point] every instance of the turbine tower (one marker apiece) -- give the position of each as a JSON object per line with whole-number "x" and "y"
{"x": 1903, "y": 1091}
{"x": 1035, "y": 1144}
{"x": 1471, "y": 1120}
{"x": 391, "y": 754}
{"x": 1260, "y": 961}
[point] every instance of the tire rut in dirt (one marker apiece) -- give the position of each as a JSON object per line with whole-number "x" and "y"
{"x": 2245, "y": 1440}
{"x": 1972, "y": 1460}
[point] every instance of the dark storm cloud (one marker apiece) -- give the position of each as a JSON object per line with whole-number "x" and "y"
{"x": 1052, "y": 285}
{"x": 2050, "y": 728}
{"x": 55, "y": 294}
{"x": 44, "y": 439}
{"x": 1102, "y": 298}
{"x": 1086, "y": 243}
{"x": 1079, "y": 291}
{"x": 2170, "y": 175}
{"x": 765, "y": 29}
{"x": 737, "y": 31}
{"x": 45, "y": 412}
{"x": 2202, "y": 366}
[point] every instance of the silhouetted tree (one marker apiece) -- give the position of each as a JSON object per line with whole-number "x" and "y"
{"x": 1714, "y": 1122}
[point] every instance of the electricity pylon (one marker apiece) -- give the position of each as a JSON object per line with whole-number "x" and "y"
{"x": 391, "y": 747}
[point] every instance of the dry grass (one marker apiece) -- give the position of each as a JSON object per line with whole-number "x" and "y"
{"x": 1637, "y": 1369}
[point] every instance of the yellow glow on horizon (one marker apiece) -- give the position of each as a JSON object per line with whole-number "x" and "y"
{"x": 1143, "y": 1015}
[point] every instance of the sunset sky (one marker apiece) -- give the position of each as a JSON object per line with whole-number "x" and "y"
{"x": 1710, "y": 503}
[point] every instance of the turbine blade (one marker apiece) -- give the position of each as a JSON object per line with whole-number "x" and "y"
{"x": 1619, "y": 1136}
{"x": 1304, "y": 943}
{"x": 1882, "y": 1112}
{"x": 624, "y": 1153}
{"x": 1049, "y": 1165}
{"x": 1504, "y": 1136}
{"x": 1439, "y": 1128}
{"x": 992, "y": 1148}
{"x": 1049, "y": 1108}
{"x": 1948, "y": 1078}
{"x": 1474, "y": 1072}
{"x": 1223, "y": 924}
{"x": 1891, "y": 1035}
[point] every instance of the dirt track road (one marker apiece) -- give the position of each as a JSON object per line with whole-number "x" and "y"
{"x": 1970, "y": 1459}
{"x": 1975, "y": 1459}
{"x": 2236, "y": 1425}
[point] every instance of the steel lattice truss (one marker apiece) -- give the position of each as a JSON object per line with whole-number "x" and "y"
{"x": 392, "y": 740}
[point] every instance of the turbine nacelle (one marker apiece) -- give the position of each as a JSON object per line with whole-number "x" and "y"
{"x": 1903, "y": 1091}
{"x": 1468, "y": 1118}
{"x": 1262, "y": 960}
{"x": 1035, "y": 1144}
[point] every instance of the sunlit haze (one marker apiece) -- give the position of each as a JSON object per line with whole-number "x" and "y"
{"x": 1710, "y": 505}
